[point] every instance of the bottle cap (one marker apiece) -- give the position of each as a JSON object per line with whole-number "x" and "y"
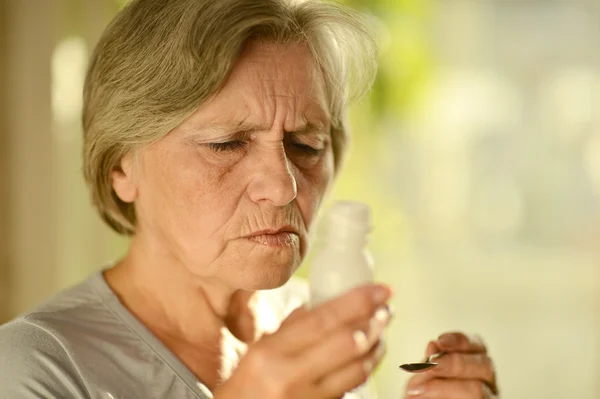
{"x": 351, "y": 213}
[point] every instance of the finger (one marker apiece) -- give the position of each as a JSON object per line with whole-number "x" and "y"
{"x": 459, "y": 342}
{"x": 341, "y": 348}
{"x": 464, "y": 366}
{"x": 449, "y": 389}
{"x": 356, "y": 306}
{"x": 295, "y": 315}
{"x": 491, "y": 391}
{"x": 432, "y": 348}
{"x": 352, "y": 375}
{"x": 419, "y": 379}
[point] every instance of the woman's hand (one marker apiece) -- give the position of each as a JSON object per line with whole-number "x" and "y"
{"x": 464, "y": 372}
{"x": 319, "y": 353}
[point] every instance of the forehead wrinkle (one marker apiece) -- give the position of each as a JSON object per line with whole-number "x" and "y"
{"x": 267, "y": 97}
{"x": 306, "y": 128}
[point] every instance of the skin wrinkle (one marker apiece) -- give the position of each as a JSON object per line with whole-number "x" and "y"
{"x": 195, "y": 203}
{"x": 237, "y": 180}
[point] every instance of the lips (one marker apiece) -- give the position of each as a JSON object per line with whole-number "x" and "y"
{"x": 286, "y": 236}
{"x": 285, "y": 229}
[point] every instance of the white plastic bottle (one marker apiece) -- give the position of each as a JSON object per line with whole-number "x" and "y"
{"x": 343, "y": 263}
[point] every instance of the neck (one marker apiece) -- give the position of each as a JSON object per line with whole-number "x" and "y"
{"x": 186, "y": 312}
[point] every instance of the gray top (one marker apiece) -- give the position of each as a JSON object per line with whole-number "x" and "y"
{"x": 84, "y": 344}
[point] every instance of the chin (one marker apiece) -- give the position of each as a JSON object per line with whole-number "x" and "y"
{"x": 264, "y": 267}
{"x": 268, "y": 275}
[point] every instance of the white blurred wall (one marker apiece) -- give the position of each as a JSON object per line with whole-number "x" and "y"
{"x": 45, "y": 207}
{"x": 498, "y": 177}
{"x": 3, "y": 171}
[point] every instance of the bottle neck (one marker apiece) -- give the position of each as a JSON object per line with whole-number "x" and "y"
{"x": 349, "y": 224}
{"x": 346, "y": 236}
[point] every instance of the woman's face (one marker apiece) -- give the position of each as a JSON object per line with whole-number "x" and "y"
{"x": 231, "y": 193}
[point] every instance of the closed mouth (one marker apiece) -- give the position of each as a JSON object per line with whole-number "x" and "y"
{"x": 285, "y": 229}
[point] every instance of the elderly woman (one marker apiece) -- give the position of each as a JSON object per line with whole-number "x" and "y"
{"x": 213, "y": 130}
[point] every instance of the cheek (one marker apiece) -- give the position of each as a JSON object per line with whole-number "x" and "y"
{"x": 312, "y": 187}
{"x": 182, "y": 190}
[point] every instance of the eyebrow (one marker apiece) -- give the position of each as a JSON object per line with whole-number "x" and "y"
{"x": 309, "y": 127}
{"x": 243, "y": 129}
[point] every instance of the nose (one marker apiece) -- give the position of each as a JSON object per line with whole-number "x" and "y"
{"x": 273, "y": 181}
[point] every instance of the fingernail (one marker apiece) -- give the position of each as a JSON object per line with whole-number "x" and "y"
{"x": 415, "y": 391}
{"x": 382, "y": 315}
{"x": 379, "y": 352}
{"x": 381, "y": 294}
{"x": 361, "y": 341}
{"x": 477, "y": 339}
{"x": 447, "y": 340}
{"x": 378, "y": 323}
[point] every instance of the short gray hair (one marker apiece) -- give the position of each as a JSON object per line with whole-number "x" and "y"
{"x": 159, "y": 60}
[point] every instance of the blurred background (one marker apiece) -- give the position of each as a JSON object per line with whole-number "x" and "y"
{"x": 478, "y": 150}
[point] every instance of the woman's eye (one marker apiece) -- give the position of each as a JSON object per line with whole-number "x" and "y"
{"x": 227, "y": 146}
{"x": 308, "y": 150}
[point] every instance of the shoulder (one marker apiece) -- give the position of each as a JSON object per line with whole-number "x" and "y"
{"x": 42, "y": 350}
{"x": 34, "y": 363}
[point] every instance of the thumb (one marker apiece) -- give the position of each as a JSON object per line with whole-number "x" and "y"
{"x": 296, "y": 314}
{"x": 432, "y": 348}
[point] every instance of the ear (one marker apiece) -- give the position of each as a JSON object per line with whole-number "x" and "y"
{"x": 123, "y": 181}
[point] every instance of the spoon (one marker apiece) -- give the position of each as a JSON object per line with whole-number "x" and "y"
{"x": 422, "y": 367}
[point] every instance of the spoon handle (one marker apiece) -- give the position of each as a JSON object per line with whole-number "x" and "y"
{"x": 435, "y": 356}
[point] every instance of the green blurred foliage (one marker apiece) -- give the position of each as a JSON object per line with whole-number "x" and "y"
{"x": 404, "y": 60}
{"x": 405, "y": 66}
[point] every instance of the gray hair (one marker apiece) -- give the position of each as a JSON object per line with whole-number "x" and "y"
{"x": 158, "y": 61}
